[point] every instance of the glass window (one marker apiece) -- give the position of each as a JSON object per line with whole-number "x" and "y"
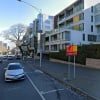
{"x": 91, "y": 18}
{"x": 97, "y": 8}
{"x": 46, "y": 47}
{"x": 98, "y": 29}
{"x": 92, "y": 9}
{"x": 54, "y": 47}
{"x": 47, "y": 27}
{"x": 81, "y": 16}
{"x": 78, "y": 6}
{"x": 14, "y": 67}
{"x": 92, "y": 38}
{"x": 47, "y": 22}
{"x": 63, "y": 35}
{"x": 83, "y": 37}
{"x": 67, "y": 36}
{"x": 97, "y": 18}
{"x": 91, "y": 28}
{"x": 81, "y": 27}
{"x": 76, "y": 27}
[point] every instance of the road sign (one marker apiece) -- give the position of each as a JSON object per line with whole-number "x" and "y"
{"x": 71, "y": 50}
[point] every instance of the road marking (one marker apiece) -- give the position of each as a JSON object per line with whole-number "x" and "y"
{"x": 35, "y": 87}
{"x": 38, "y": 71}
{"x": 52, "y": 91}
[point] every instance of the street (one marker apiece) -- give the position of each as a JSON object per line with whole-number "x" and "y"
{"x": 37, "y": 86}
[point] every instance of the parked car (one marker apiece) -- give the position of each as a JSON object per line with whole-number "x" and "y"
{"x": 5, "y": 57}
{"x": 14, "y": 71}
{"x": 10, "y": 57}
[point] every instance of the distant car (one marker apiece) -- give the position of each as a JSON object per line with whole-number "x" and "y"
{"x": 14, "y": 71}
{"x": 5, "y": 57}
{"x": 10, "y": 57}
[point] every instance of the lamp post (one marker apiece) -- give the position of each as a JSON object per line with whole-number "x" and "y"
{"x": 40, "y": 12}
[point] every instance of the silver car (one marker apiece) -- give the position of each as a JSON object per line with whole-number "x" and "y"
{"x": 14, "y": 71}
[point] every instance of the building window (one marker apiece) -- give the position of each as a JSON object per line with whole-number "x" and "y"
{"x": 78, "y": 6}
{"x": 91, "y": 18}
{"x": 47, "y": 27}
{"x": 92, "y": 9}
{"x": 97, "y": 8}
{"x": 81, "y": 16}
{"x": 97, "y": 18}
{"x": 54, "y": 47}
{"x": 98, "y": 29}
{"x": 47, "y": 48}
{"x": 67, "y": 36}
{"x": 92, "y": 38}
{"x": 47, "y": 22}
{"x": 91, "y": 28}
{"x": 47, "y": 39}
{"x": 83, "y": 37}
{"x": 76, "y": 27}
{"x": 81, "y": 27}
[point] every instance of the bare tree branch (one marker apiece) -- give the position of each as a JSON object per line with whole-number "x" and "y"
{"x": 15, "y": 33}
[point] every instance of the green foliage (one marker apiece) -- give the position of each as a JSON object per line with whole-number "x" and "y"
{"x": 84, "y": 51}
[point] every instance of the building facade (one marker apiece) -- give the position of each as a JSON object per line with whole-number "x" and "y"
{"x": 43, "y": 25}
{"x": 79, "y": 23}
{"x": 35, "y": 35}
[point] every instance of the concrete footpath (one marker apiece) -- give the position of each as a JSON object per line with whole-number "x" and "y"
{"x": 85, "y": 83}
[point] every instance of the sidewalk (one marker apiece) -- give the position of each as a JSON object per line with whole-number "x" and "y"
{"x": 86, "y": 82}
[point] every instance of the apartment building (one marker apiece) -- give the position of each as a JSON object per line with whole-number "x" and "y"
{"x": 79, "y": 23}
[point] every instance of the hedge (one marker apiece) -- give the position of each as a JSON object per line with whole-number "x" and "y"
{"x": 84, "y": 51}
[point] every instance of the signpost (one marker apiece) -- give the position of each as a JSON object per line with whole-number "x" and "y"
{"x": 71, "y": 50}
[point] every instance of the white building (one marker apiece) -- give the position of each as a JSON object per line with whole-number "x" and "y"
{"x": 78, "y": 24}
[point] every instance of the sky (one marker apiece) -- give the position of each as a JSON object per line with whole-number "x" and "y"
{"x": 14, "y": 12}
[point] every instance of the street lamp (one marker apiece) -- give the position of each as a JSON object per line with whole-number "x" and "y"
{"x": 41, "y": 29}
{"x": 39, "y": 10}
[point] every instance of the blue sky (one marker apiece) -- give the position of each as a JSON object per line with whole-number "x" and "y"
{"x": 14, "y": 12}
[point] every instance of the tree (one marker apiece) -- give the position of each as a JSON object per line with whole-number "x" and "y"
{"x": 15, "y": 33}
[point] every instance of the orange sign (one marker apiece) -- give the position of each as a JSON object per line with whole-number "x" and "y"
{"x": 71, "y": 50}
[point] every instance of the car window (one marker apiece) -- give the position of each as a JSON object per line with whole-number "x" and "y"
{"x": 14, "y": 67}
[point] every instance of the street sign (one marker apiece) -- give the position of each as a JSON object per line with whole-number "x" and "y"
{"x": 71, "y": 50}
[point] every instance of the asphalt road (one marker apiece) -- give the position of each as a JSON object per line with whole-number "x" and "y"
{"x": 36, "y": 86}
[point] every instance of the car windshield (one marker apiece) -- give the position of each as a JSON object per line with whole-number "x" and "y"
{"x": 14, "y": 67}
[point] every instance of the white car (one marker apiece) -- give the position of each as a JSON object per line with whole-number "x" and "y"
{"x": 14, "y": 71}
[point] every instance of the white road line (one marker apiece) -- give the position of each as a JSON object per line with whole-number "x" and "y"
{"x": 35, "y": 87}
{"x": 52, "y": 91}
{"x": 38, "y": 71}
